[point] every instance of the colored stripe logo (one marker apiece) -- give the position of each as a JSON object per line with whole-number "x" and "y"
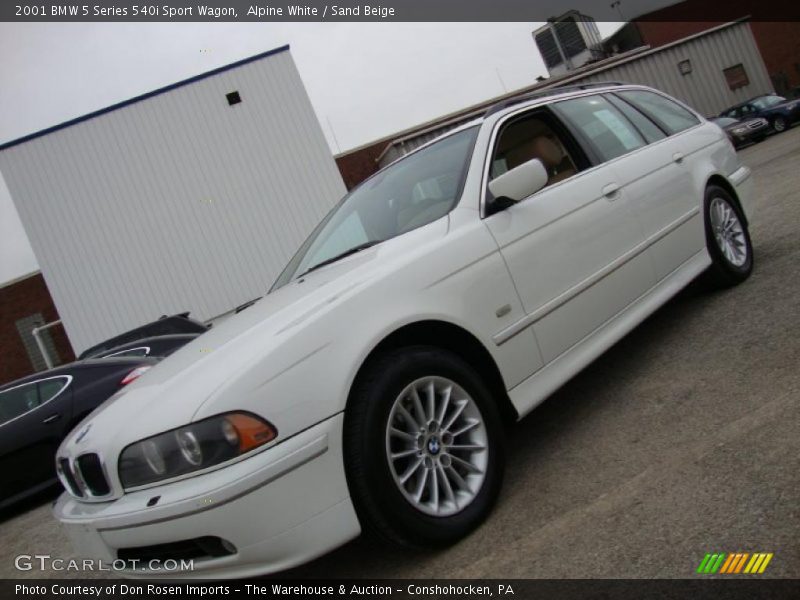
{"x": 735, "y": 563}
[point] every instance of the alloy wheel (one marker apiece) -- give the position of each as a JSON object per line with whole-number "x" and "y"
{"x": 437, "y": 446}
{"x": 728, "y": 232}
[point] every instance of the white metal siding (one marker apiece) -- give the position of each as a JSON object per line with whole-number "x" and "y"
{"x": 705, "y": 88}
{"x": 176, "y": 202}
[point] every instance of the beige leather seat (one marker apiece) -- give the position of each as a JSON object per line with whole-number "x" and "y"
{"x": 558, "y": 165}
{"x": 553, "y": 158}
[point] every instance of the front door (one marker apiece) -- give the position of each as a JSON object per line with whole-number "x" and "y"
{"x": 573, "y": 248}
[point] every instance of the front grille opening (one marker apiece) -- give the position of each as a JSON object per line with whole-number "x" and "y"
{"x": 92, "y": 473}
{"x": 202, "y": 547}
{"x": 69, "y": 478}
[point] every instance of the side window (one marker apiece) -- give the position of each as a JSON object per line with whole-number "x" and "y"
{"x": 605, "y": 128}
{"x": 533, "y": 137}
{"x": 17, "y": 401}
{"x": 50, "y": 388}
{"x": 646, "y": 127}
{"x": 671, "y": 116}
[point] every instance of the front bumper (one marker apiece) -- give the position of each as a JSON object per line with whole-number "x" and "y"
{"x": 280, "y": 508}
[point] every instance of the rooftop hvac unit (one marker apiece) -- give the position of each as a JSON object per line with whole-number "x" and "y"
{"x": 568, "y": 42}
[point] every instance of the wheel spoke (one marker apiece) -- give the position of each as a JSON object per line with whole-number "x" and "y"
{"x": 460, "y": 406}
{"x": 448, "y": 391}
{"x": 448, "y": 490}
{"x": 434, "y": 489}
{"x": 473, "y": 447}
{"x": 411, "y": 422}
{"x": 418, "y": 408}
{"x": 404, "y": 453}
{"x": 411, "y": 470}
{"x": 420, "y": 485}
{"x": 456, "y": 476}
{"x": 401, "y": 434}
{"x": 468, "y": 427}
{"x": 431, "y": 397}
{"x": 467, "y": 465}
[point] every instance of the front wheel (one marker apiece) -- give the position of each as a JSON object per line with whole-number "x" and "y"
{"x": 779, "y": 124}
{"x": 423, "y": 448}
{"x": 727, "y": 238}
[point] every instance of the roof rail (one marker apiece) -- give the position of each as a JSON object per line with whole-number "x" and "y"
{"x": 552, "y": 91}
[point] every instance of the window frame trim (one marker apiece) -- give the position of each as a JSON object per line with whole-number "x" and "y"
{"x": 113, "y": 354}
{"x": 36, "y": 382}
{"x": 543, "y": 103}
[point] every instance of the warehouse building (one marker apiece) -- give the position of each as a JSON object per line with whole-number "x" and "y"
{"x": 188, "y": 198}
{"x": 709, "y": 70}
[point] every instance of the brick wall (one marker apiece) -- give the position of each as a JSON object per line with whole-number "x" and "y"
{"x": 19, "y": 300}
{"x": 356, "y": 165}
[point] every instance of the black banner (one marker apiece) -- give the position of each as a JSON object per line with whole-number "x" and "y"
{"x": 583, "y": 589}
{"x": 391, "y": 10}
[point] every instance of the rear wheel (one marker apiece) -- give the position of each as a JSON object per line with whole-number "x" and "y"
{"x": 423, "y": 448}
{"x": 727, "y": 238}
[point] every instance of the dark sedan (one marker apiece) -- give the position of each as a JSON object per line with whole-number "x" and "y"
{"x": 166, "y": 325}
{"x": 158, "y": 346}
{"x": 779, "y": 112}
{"x": 38, "y": 411}
{"x": 743, "y": 132}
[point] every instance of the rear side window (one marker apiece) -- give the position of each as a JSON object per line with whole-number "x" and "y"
{"x": 50, "y": 388}
{"x": 605, "y": 128}
{"x": 646, "y": 127}
{"x": 670, "y": 115}
{"x": 19, "y": 400}
{"x": 135, "y": 352}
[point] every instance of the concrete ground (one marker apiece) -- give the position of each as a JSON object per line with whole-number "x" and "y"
{"x": 683, "y": 439}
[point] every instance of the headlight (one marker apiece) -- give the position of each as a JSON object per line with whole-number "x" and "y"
{"x": 197, "y": 446}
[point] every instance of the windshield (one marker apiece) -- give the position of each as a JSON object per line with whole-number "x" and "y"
{"x": 410, "y": 193}
{"x": 767, "y": 101}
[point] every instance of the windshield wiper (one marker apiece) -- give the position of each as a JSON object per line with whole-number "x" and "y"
{"x": 341, "y": 255}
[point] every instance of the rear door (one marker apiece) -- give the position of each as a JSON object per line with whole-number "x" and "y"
{"x": 570, "y": 247}
{"x": 658, "y": 178}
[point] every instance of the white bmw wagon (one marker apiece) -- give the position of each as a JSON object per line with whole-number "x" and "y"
{"x": 449, "y": 293}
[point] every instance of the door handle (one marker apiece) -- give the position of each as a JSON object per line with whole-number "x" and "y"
{"x": 611, "y": 191}
{"x": 52, "y": 418}
{"x": 678, "y": 157}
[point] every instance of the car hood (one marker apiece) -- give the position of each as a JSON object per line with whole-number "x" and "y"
{"x": 170, "y": 394}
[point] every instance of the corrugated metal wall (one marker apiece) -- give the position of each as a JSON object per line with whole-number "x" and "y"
{"x": 175, "y": 202}
{"x": 705, "y": 88}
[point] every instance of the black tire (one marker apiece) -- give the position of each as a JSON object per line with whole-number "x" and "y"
{"x": 384, "y": 512}
{"x": 725, "y": 272}
{"x": 779, "y": 124}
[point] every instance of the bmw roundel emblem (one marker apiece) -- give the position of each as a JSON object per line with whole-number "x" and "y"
{"x": 433, "y": 445}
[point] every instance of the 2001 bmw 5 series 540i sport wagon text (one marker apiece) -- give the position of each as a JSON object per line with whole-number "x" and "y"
{"x": 454, "y": 289}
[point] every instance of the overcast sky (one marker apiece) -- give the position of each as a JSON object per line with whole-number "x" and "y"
{"x": 365, "y": 81}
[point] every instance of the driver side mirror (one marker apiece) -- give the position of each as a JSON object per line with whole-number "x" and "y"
{"x": 517, "y": 184}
